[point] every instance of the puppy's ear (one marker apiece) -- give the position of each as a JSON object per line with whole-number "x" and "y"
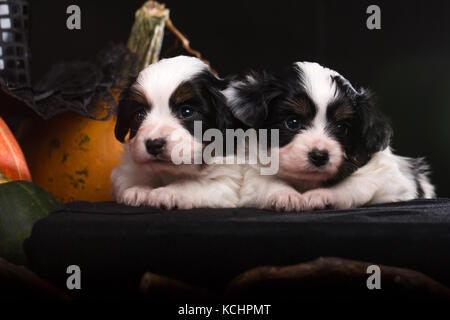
{"x": 224, "y": 117}
{"x": 375, "y": 129}
{"x": 213, "y": 92}
{"x": 123, "y": 118}
{"x": 249, "y": 99}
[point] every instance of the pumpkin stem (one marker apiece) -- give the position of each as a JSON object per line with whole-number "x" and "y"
{"x": 145, "y": 39}
{"x": 3, "y": 178}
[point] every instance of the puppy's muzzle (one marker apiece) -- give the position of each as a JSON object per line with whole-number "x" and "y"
{"x": 318, "y": 158}
{"x": 155, "y": 146}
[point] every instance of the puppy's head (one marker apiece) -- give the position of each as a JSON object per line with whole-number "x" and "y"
{"x": 327, "y": 129}
{"x": 159, "y": 109}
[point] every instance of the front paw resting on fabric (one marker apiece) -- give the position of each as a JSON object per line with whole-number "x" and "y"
{"x": 135, "y": 196}
{"x": 285, "y": 200}
{"x": 168, "y": 198}
{"x": 321, "y": 199}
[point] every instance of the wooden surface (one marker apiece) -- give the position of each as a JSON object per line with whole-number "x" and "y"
{"x": 19, "y": 282}
{"x": 321, "y": 278}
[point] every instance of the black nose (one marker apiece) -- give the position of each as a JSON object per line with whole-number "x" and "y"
{"x": 155, "y": 146}
{"x": 318, "y": 157}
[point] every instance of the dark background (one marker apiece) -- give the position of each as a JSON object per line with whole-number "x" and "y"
{"x": 406, "y": 63}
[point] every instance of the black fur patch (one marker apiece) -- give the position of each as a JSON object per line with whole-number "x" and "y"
{"x": 267, "y": 100}
{"x": 254, "y": 93}
{"x": 361, "y": 133}
{"x": 421, "y": 171}
{"x": 131, "y": 102}
{"x": 203, "y": 94}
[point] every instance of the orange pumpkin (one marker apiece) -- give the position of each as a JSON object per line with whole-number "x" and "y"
{"x": 12, "y": 161}
{"x": 72, "y": 156}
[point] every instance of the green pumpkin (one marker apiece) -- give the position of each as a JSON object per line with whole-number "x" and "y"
{"x": 22, "y": 203}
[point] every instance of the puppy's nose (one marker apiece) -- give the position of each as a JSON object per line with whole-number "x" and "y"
{"x": 318, "y": 157}
{"x": 155, "y": 146}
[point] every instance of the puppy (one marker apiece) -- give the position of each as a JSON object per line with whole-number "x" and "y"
{"x": 158, "y": 112}
{"x": 333, "y": 143}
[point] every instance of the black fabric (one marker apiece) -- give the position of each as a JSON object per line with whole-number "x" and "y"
{"x": 115, "y": 244}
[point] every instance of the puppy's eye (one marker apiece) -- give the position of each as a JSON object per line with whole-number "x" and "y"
{"x": 293, "y": 123}
{"x": 139, "y": 116}
{"x": 187, "y": 112}
{"x": 342, "y": 128}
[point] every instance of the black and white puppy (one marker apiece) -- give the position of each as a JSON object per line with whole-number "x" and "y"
{"x": 333, "y": 146}
{"x": 157, "y": 113}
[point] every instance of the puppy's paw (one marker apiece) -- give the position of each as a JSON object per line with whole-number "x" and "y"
{"x": 135, "y": 196}
{"x": 317, "y": 199}
{"x": 285, "y": 200}
{"x": 168, "y": 198}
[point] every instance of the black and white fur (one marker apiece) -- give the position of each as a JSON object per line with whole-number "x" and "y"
{"x": 158, "y": 112}
{"x": 334, "y": 144}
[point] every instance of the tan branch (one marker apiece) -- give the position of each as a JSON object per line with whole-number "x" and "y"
{"x": 185, "y": 43}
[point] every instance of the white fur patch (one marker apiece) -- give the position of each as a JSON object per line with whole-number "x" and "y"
{"x": 318, "y": 83}
{"x": 159, "y": 80}
{"x": 293, "y": 158}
